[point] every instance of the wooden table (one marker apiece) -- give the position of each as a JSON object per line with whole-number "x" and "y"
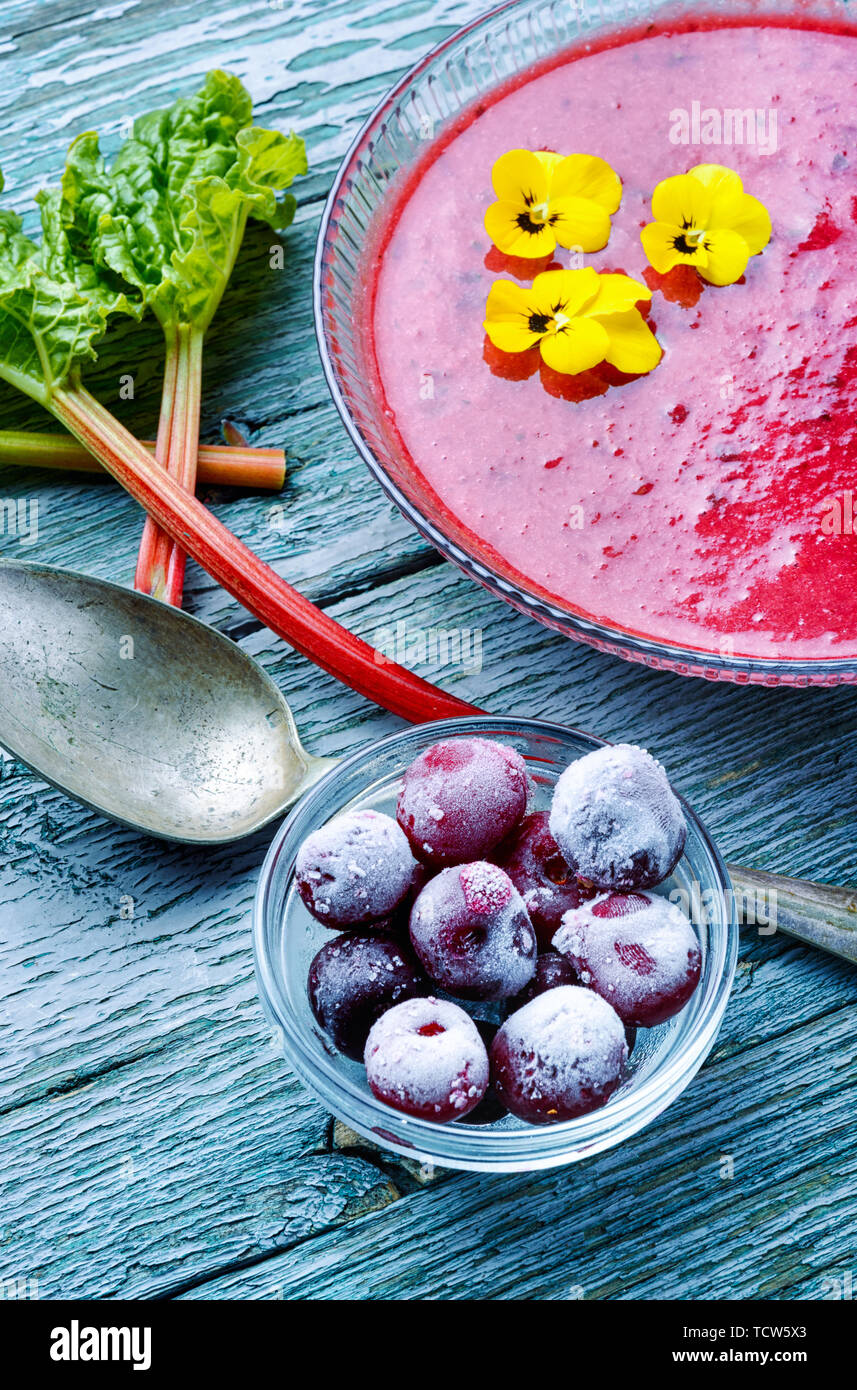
{"x": 153, "y": 1142}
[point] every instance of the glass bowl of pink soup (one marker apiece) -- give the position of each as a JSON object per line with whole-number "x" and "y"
{"x": 697, "y": 519}
{"x": 286, "y": 937}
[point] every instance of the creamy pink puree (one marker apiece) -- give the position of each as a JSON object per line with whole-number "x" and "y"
{"x": 685, "y": 505}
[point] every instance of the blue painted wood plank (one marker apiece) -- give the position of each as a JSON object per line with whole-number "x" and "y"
{"x": 742, "y": 1199}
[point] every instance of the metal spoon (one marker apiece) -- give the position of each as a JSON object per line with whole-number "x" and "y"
{"x": 141, "y": 712}
{"x": 156, "y": 720}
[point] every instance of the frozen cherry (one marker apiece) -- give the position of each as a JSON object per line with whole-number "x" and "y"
{"x": 354, "y": 979}
{"x": 552, "y": 970}
{"x": 559, "y": 1056}
{"x": 532, "y": 859}
{"x": 426, "y": 1058}
{"x": 396, "y": 923}
{"x": 356, "y": 869}
{"x": 471, "y": 932}
{"x": 617, "y": 820}
{"x": 459, "y": 798}
{"x": 637, "y": 950}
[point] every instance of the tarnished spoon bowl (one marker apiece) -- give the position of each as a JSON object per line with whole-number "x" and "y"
{"x": 140, "y": 712}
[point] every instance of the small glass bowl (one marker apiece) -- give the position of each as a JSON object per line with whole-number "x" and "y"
{"x": 286, "y": 938}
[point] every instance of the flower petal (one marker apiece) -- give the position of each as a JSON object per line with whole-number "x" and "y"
{"x": 632, "y": 346}
{"x": 519, "y": 176}
{"x": 724, "y": 186}
{"x": 728, "y": 254}
{"x": 682, "y": 201}
{"x": 510, "y": 337}
{"x": 733, "y": 208}
{"x": 751, "y": 222}
{"x": 548, "y": 161}
{"x": 503, "y": 227}
{"x": 582, "y": 344}
{"x": 586, "y": 176}
{"x": 570, "y": 289}
{"x": 579, "y": 222}
{"x": 658, "y": 240}
{"x": 507, "y": 317}
{"x": 616, "y": 293}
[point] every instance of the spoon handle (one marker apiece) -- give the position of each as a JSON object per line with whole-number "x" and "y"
{"x": 817, "y": 913}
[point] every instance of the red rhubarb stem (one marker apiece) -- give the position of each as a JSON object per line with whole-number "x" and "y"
{"x": 184, "y": 447}
{"x": 150, "y": 575}
{"x": 259, "y": 588}
{"x": 161, "y": 564}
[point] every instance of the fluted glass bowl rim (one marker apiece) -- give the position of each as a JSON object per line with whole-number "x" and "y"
{"x": 460, "y": 1146}
{"x": 612, "y": 638}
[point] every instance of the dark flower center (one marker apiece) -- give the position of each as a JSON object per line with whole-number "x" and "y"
{"x": 538, "y": 323}
{"x": 526, "y": 223}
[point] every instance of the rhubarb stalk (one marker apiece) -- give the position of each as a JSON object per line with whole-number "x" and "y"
{"x": 161, "y": 563}
{"x": 258, "y": 470}
{"x": 168, "y": 218}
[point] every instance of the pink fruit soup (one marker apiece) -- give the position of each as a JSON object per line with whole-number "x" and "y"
{"x": 706, "y": 505}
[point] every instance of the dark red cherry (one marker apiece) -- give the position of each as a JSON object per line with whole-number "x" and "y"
{"x": 552, "y": 970}
{"x": 425, "y": 1057}
{"x": 471, "y": 932}
{"x": 532, "y": 859}
{"x": 616, "y": 819}
{"x": 354, "y": 979}
{"x": 354, "y": 870}
{"x": 460, "y": 798}
{"x": 637, "y": 950}
{"x": 560, "y": 1056}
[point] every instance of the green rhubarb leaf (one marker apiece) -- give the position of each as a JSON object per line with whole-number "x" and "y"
{"x": 103, "y": 286}
{"x": 52, "y": 309}
{"x": 169, "y": 214}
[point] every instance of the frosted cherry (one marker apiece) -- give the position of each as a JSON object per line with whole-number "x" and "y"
{"x": 552, "y": 970}
{"x": 354, "y": 979}
{"x": 356, "y": 869}
{"x": 560, "y": 1056}
{"x": 460, "y": 798}
{"x": 534, "y": 863}
{"x": 471, "y": 932}
{"x": 636, "y": 950}
{"x": 425, "y": 1057}
{"x": 616, "y": 819}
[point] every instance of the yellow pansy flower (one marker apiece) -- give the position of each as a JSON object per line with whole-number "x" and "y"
{"x": 578, "y": 318}
{"x": 705, "y": 219}
{"x": 544, "y": 199}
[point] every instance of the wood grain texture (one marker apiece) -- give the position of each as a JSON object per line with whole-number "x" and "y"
{"x": 654, "y": 1218}
{"x": 154, "y": 1143}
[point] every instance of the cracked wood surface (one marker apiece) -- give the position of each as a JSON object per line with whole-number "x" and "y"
{"x": 154, "y": 1143}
